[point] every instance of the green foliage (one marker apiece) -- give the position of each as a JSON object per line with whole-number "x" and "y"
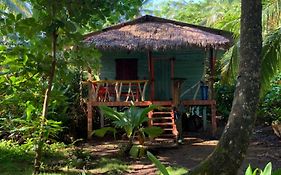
{"x": 17, "y": 6}
{"x": 176, "y": 170}
{"x": 225, "y": 15}
{"x": 270, "y": 108}
{"x": 187, "y": 11}
{"x": 224, "y": 98}
{"x": 31, "y": 49}
{"x": 157, "y": 163}
{"x": 29, "y": 128}
{"x": 152, "y": 132}
{"x": 17, "y": 159}
{"x": 266, "y": 171}
{"x": 101, "y": 132}
{"x": 14, "y": 151}
{"x": 25, "y": 55}
{"x": 137, "y": 151}
{"x": 166, "y": 170}
{"x": 271, "y": 58}
{"x": 132, "y": 120}
{"x": 111, "y": 166}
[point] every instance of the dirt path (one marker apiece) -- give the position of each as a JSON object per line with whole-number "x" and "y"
{"x": 264, "y": 147}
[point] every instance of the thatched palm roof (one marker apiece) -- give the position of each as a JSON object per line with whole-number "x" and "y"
{"x": 153, "y": 33}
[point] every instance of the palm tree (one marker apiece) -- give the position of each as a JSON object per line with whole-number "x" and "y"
{"x": 225, "y": 15}
{"x": 230, "y": 151}
{"x": 271, "y": 57}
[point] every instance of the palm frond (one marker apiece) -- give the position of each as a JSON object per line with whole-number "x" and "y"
{"x": 145, "y": 111}
{"x": 271, "y": 59}
{"x": 271, "y": 15}
{"x": 230, "y": 64}
{"x": 102, "y": 131}
{"x": 110, "y": 113}
{"x": 153, "y": 131}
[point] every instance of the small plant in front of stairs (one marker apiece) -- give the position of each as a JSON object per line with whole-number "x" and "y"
{"x": 132, "y": 122}
{"x": 166, "y": 170}
{"x": 267, "y": 170}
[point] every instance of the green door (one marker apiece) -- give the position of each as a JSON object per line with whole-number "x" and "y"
{"x": 162, "y": 79}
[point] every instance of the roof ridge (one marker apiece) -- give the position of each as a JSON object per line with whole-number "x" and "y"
{"x": 150, "y": 18}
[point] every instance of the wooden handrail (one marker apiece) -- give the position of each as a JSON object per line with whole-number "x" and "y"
{"x": 113, "y": 90}
{"x": 119, "y": 81}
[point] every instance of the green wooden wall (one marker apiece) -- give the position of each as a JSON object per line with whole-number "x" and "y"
{"x": 189, "y": 64}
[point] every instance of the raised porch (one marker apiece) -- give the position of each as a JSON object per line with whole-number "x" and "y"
{"x": 123, "y": 93}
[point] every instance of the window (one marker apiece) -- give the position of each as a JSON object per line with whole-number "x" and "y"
{"x": 126, "y": 69}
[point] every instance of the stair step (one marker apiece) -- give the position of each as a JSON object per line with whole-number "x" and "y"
{"x": 155, "y": 118}
{"x": 162, "y": 124}
{"x": 162, "y": 113}
{"x": 165, "y": 120}
{"x": 167, "y": 129}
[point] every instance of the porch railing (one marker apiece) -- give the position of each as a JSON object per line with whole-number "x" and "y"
{"x": 118, "y": 90}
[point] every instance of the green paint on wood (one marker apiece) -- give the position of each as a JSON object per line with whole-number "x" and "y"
{"x": 162, "y": 80}
{"x": 189, "y": 64}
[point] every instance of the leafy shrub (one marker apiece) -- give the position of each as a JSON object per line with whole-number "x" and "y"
{"x": 270, "y": 108}
{"x": 224, "y": 98}
{"x": 266, "y": 171}
{"x": 10, "y": 150}
{"x": 132, "y": 121}
{"x": 166, "y": 170}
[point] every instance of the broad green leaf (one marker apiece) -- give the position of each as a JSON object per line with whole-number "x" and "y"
{"x": 29, "y": 109}
{"x": 267, "y": 169}
{"x": 102, "y": 131}
{"x": 277, "y": 172}
{"x": 157, "y": 163}
{"x": 249, "y": 171}
{"x": 153, "y": 131}
{"x": 134, "y": 151}
{"x": 176, "y": 171}
{"x": 110, "y": 113}
{"x": 256, "y": 171}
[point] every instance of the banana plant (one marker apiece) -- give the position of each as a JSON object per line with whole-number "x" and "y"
{"x": 132, "y": 122}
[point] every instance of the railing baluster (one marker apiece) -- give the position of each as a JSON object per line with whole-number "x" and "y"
{"x": 94, "y": 91}
{"x": 116, "y": 92}
{"x": 128, "y": 93}
{"x": 101, "y": 91}
{"x": 143, "y": 91}
{"x": 140, "y": 90}
{"x": 120, "y": 90}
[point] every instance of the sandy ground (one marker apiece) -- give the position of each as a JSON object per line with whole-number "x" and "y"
{"x": 264, "y": 147}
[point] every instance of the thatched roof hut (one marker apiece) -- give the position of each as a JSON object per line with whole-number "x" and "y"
{"x": 154, "y": 33}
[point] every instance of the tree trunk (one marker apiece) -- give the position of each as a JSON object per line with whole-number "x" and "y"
{"x": 232, "y": 147}
{"x": 40, "y": 141}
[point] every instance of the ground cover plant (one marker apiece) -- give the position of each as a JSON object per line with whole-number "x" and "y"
{"x": 134, "y": 121}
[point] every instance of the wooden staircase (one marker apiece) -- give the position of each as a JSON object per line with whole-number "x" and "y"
{"x": 165, "y": 120}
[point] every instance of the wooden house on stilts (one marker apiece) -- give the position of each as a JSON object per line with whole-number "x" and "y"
{"x": 151, "y": 60}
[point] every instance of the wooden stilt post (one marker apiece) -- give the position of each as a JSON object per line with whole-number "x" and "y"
{"x": 214, "y": 121}
{"x": 175, "y": 95}
{"x": 90, "y": 107}
{"x": 212, "y": 72}
{"x": 151, "y": 74}
{"x": 212, "y": 95}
